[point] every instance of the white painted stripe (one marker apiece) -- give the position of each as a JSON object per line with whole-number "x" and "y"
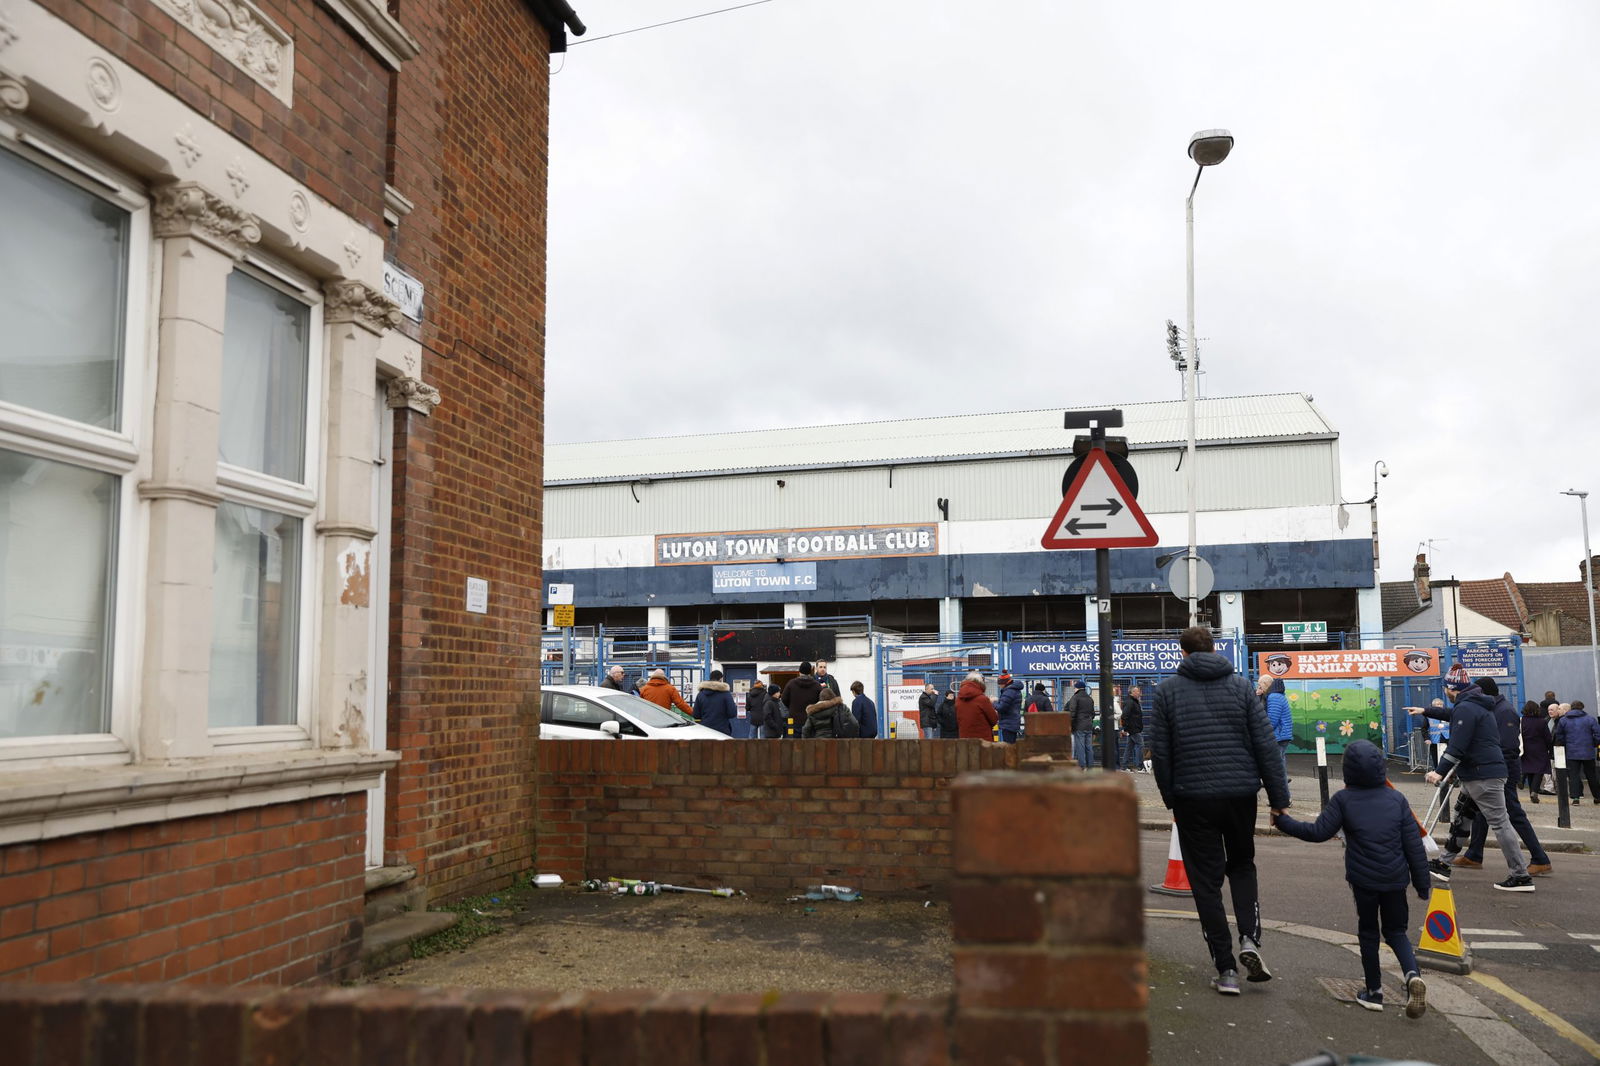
{"x": 1508, "y": 945}
{"x": 1491, "y": 932}
{"x": 1586, "y": 936}
{"x": 1595, "y": 946}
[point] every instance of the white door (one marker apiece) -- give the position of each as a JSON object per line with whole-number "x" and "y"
{"x": 378, "y": 633}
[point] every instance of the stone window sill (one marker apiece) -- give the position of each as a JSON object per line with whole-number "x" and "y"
{"x": 45, "y": 804}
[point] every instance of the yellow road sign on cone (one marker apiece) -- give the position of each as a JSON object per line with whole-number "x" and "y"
{"x": 1440, "y": 947}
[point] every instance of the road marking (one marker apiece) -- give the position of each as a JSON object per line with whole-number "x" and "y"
{"x": 1491, "y": 932}
{"x": 1508, "y": 945}
{"x": 1554, "y": 1021}
{"x": 1584, "y": 936}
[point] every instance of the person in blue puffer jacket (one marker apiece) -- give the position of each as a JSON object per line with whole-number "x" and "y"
{"x": 1279, "y": 714}
{"x": 1383, "y": 856}
{"x": 1008, "y": 708}
{"x": 1580, "y": 735}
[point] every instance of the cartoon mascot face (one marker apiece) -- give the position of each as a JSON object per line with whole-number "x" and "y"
{"x": 1278, "y": 665}
{"x": 1418, "y": 662}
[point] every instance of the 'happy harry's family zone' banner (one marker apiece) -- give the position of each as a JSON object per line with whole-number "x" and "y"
{"x": 1334, "y": 694}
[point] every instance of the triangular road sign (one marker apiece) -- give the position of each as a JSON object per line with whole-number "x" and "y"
{"x": 1098, "y": 511}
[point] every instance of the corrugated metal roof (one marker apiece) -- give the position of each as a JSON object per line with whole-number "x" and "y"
{"x": 1217, "y": 419}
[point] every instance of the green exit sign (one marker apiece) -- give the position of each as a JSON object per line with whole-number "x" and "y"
{"x": 1304, "y": 632}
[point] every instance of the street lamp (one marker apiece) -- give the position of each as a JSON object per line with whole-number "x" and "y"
{"x": 1588, "y": 585}
{"x": 1379, "y": 469}
{"x": 1207, "y": 148}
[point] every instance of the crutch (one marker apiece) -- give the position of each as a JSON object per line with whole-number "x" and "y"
{"x": 1441, "y": 798}
{"x": 1439, "y": 805}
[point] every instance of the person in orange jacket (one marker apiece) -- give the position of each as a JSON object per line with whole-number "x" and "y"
{"x": 664, "y": 693}
{"x": 975, "y": 715}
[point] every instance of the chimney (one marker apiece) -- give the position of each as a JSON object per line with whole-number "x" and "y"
{"x": 1420, "y": 573}
{"x": 1592, "y": 568}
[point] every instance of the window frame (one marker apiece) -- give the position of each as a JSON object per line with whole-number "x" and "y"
{"x": 299, "y": 500}
{"x": 122, "y": 452}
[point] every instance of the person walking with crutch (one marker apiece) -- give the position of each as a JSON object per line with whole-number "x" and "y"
{"x": 1474, "y": 753}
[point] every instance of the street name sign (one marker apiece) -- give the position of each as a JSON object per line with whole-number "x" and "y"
{"x": 1098, "y": 511}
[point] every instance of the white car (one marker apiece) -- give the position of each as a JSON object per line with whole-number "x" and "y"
{"x": 591, "y": 712}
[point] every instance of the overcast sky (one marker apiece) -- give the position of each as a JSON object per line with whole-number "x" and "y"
{"x": 810, "y": 212}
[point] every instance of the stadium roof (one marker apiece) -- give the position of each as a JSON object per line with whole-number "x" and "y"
{"x": 1223, "y": 419}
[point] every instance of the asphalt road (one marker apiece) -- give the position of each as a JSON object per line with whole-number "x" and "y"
{"x": 1544, "y": 946}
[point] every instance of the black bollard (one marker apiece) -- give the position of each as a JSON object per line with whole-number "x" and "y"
{"x": 1322, "y": 769}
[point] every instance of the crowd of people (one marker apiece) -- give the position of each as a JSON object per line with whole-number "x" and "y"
{"x": 1214, "y": 742}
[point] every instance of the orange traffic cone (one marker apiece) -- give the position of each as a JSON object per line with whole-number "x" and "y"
{"x": 1177, "y": 882}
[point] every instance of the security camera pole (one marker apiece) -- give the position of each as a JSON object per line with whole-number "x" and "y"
{"x": 1098, "y": 511}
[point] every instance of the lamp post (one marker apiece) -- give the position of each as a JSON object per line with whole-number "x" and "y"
{"x": 1207, "y": 148}
{"x": 1379, "y": 469}
{"x": 1588, "y": 585}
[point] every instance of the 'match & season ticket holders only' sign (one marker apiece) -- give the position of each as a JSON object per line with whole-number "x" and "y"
{"x": 1069, "y": 657}
{"x": 795, "y": 545}
{"x": 1355, "y": 662}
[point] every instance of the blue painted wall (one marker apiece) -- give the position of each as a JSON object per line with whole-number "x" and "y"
{"x": 1332, "y": 564}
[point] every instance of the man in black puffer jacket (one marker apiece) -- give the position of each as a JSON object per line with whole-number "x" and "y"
{"x": 1212, "y": 749}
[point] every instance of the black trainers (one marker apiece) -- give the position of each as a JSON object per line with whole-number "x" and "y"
{"x": 1439, "y": 869}
{"x": 1250, "y": 959}
{"x": 1516, "y": 883}
{"x": 1416, "y": 995}
{"x": 1370, "y": 999}
{"x": 1226, "y": 982}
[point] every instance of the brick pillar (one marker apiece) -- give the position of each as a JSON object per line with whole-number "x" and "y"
{"x": 1048, "y": 919}
{"x": 1049, "y": 733}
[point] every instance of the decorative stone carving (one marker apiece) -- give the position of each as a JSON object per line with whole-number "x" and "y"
{"x": 352, "y": 251}
{"x": 188, "y": 147}
{"x": 244, "y": 35}
{"x": 187, "y": 210}
{"x": 351, "y": 301}
{"x": 8, "y": 30}
{"x": 13, "y": 94}
{"x": 299, "y": 210}
{"x": 105, "y": 88}
{"x": 412, "y": 394}
{"x": 236, "y": 178}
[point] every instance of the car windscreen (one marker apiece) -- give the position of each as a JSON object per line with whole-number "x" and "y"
{"x": 643, "y": 711}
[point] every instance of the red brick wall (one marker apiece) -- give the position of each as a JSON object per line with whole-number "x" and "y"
{"x": 272, "y": 895}
{"x": 756, "y": 815}
{"x": 1048, "y": 924}
{"x": 334, "y": 138}
{"x": 470, "y": 143}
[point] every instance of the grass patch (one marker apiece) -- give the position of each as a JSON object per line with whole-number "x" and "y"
{"x": 476, "y": 918}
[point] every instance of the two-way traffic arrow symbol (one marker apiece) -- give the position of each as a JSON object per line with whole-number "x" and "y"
{"x": 1112, "y": 520}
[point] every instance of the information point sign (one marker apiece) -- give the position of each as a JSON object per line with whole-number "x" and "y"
{"x": 1098, "y": 511}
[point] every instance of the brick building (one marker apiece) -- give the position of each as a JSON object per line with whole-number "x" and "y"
{"x": 270, "y": 471}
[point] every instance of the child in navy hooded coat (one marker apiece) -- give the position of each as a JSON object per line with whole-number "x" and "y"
{"x": 1383, "y": 856}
